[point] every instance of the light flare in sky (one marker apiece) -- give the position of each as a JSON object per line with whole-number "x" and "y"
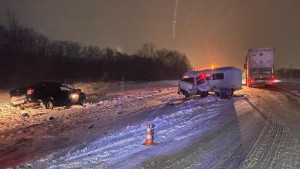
{"x": 175, "y": 18}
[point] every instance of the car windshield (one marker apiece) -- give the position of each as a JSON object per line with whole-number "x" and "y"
{"x": 67, "y": 86}
{"x": 188, "y": 80}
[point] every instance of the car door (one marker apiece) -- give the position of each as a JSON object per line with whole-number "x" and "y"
{"x": 73, "y": 94}
{"x": 62, "y": 97}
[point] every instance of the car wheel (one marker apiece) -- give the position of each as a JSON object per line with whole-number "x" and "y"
{"x": 49, "y": 104}
{"x": 82, "y": 102}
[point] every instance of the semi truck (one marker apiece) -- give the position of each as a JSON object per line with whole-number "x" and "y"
{"x": 260, "y": 66}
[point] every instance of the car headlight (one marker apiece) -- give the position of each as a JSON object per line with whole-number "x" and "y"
{"x": 74, "y": 96}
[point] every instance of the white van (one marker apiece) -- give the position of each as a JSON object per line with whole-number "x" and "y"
{"x": 223, "y": 81}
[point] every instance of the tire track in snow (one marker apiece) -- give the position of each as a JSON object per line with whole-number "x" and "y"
{"x": 276, "y": 146}
{"x": 272, "y": 149}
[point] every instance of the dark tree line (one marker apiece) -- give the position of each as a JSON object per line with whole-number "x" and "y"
{"x": 288, "y": 73}
{"x": 27, "y": 56}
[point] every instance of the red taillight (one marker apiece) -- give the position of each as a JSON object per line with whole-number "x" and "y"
{"x": 202, "y": 76}
{"x": 272, "y": 80}
{"x": 30, "y": 91}
{"x": 250, "y": 81}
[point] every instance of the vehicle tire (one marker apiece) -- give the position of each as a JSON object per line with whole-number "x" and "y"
{"x": 204, "y": 94}
{"x": 226, "y": 93}
{"x": 186, "y": 95}
{"x": 49, "y": 104}
{"x": 82, "y": 101}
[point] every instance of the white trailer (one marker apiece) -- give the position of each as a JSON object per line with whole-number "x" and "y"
{"x": 223, "y": 81}
{"x": 260, "y": 66}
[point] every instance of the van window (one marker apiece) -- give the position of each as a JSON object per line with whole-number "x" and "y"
{"x": 218, "y": 76}
{"x": 188, "y": 80}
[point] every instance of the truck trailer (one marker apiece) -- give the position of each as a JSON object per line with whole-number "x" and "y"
{"x": 260, "y": 66}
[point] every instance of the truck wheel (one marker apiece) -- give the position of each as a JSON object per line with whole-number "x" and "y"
{"x": 49, "y": 104}
{"x": 226, "y": 93}
{"x": 223, "y": 96}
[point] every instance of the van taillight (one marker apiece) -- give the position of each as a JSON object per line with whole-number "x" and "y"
{"x": 202, "y": 76}
{"x": 30, "y": 91}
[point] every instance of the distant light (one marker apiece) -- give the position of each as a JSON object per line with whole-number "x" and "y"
{"x": 213, "y": 66}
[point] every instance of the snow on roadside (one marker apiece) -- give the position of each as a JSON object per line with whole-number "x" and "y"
{"x": 39, "y": 125}
{"x": 13, "y": 119}
{"x": 171, "y": 130}
{"x": 290, "y": 85}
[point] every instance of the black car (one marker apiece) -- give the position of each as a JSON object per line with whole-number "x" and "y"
{"x": 47, "y": 94}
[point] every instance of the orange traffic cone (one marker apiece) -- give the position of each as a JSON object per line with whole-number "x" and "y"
{"x": 149, "y": 141}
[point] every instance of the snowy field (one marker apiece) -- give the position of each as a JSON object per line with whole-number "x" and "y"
{"x": 260, "y": 131}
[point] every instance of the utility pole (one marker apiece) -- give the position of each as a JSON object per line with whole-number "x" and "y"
{"x": 291, "y": 74}
{"x": 285, "y": 73}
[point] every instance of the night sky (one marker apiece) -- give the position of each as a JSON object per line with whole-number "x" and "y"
{"x": 207, "y": 31}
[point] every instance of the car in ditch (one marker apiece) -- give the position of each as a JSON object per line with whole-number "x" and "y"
{"x": 223, "y": 81}
{"x": 47, "y": 94}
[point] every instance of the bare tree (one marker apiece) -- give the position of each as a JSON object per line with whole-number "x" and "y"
{"x": 147, "y": 51}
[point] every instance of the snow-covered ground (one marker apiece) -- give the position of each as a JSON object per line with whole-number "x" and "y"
{"x": 260, "y": 131}
{"x": 290, "y": 85}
